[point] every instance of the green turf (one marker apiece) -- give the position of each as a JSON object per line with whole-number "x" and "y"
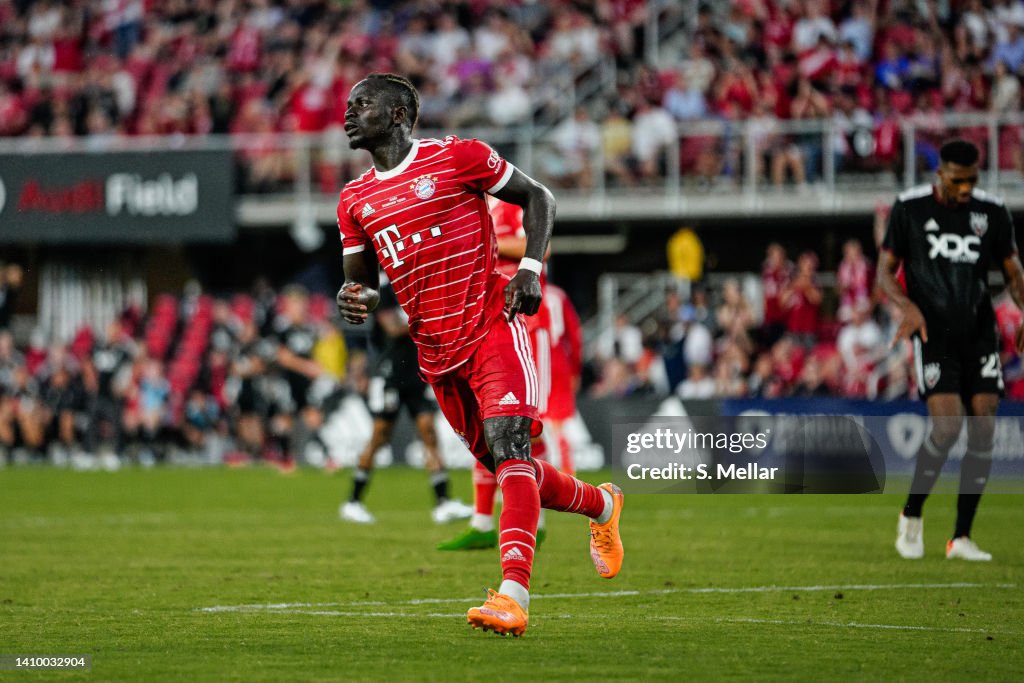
{"x": 117, "y": 565}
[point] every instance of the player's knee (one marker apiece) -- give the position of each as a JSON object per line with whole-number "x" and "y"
{"x": 508, "y": 438}
{"x": 981, "y": 432}
{"x": 381, "y": 431}
{"x": 946, "y": 431}
{"x": 425, "y": 426}
{"x": 944, "y": 438}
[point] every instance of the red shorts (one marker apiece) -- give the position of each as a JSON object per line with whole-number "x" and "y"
{"x": 499, "y": 379}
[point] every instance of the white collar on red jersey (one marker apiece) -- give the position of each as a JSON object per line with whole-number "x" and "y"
{"x": 397, "y": 170}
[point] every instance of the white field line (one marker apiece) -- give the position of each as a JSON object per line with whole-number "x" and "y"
{"x": 390, "y": 615}
{"x": 608, "y": 594}
{"x": 696, "y": 620}
{"x": 835, "y": 624}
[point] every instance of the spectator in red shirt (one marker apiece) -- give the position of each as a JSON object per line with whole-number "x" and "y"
{"x": 854, "y": 279}
{"x": 801, "y": 299}
{"x": 775, "y": 275}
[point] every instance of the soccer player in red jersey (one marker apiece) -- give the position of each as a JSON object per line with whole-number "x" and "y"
{"x": 419, "y": 214}
{"x": 511, "y": 238}
{"x": 566, "y": 337}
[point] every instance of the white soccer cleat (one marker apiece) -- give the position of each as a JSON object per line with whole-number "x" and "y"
{"x": 964, "y": 548}
{"x": 451, "y": 511}
{"x": 355, "y": 512}
{"x": 910, "y": 537}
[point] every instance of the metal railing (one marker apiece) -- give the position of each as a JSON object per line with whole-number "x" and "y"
{"x": 713, "y": 167}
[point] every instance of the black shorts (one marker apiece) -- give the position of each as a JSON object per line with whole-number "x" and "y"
{"x": 298, "y": 386}
{"x": 966, "y": 367}
{"x": 386, "y": 397}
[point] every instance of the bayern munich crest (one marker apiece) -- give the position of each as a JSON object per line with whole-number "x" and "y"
{"x": 424, "y": 186}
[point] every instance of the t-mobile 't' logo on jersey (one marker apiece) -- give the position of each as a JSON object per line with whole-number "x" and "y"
{"x": 391, "y": 242}
{"x": 955, "y": 248}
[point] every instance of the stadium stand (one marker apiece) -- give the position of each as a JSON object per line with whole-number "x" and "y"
{"x": 103, "y": 70}
{"x": 595, "y": 81}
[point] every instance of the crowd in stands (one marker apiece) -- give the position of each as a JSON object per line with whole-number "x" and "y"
{"x": 253, "y": 376}
{"x": 234, "y": 379}
{"x": 109, "y": 68}
{"x": 796, "y": 339}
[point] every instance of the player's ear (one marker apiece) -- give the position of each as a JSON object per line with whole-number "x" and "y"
{"x": 400, "y": 115}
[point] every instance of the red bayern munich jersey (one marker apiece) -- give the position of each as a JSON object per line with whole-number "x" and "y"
{"x": 508, "y": 222}
{"x": 427, "y": 220}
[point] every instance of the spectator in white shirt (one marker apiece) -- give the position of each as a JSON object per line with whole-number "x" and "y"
{"x": 623, "y": 341}
{"x": 654, "y": 130}
{"x": 811, "y": 27}
{"x": 448, "y": 39}
{"x": 697, "y": 385}
{"x": 575, "y": 141}
{"x": 860, "y": 342}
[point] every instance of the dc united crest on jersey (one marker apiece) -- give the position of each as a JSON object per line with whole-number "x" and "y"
{"x": 424, "y": 186}
{"x": 979, "y": 223}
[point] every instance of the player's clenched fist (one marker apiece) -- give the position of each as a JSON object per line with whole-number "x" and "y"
{"x": 355, "y": 302}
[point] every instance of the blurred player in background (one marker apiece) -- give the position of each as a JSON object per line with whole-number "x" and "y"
{"x": 419, "y": 214}
{"x": 566, "y": 343}
{"x": 307, "y": 380}
{"x": 396, "y": 383}
{"x": 252, "y": 390}
{"x": 107, "y": 373}
{"x": 946, "y": 237}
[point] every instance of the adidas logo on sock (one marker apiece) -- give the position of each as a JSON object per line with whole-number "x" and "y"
{"x": 509, "y": 399}
{"x": 513, "y": 554}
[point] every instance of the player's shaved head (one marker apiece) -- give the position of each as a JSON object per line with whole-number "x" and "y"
{"x": 401, "y": 92}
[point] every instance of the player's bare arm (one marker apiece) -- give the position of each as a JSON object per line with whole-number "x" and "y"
{"x": 515, "y": 247}
{"x": 296, "y": 363}
{"x": 1015, "y": 284}
{"x": 392, "y": 323}
{"x": 359, "y": 294}
{"x": 913, "y": 320}
{"x": 522, "y": 294}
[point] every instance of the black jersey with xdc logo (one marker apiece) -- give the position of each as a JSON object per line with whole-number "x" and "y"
{"x": 947, "y": 251}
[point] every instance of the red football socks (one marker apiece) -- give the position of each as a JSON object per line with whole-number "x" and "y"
{"x": 567, "y": 494}
{"x": 518, "y": 522}
{"x": 484, "y": 486}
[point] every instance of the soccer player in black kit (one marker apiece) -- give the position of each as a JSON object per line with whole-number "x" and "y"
{"x": 947, "y": 237}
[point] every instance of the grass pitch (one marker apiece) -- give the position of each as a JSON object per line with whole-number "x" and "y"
{"x": 211, "y": 575}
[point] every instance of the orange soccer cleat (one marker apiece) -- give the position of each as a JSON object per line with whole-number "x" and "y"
{"x": 499, "y": 613}
{"x": 605, "y": 544}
